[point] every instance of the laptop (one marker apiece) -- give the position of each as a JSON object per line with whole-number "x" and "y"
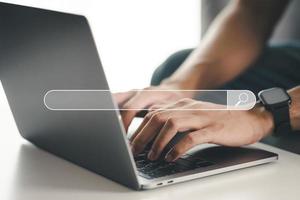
{"x": 43, "y": 50}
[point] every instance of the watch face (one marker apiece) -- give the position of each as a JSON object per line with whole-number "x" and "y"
{"x": 274, "y": 96}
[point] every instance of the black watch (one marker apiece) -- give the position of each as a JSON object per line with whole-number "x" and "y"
{"x": 277, "y": 101}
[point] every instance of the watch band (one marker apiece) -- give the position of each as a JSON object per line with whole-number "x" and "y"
{"x": 281, "y": 117}
{"x": 277, "y": 101}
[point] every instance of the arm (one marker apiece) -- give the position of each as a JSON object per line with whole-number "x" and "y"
{"x": 232, "y": 43}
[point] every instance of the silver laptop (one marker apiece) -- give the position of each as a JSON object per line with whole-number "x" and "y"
{"x": 43, "y": 50}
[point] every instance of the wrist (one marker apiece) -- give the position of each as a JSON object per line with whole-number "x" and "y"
{"x": 265, "y": 120}
{"x": 295, "y": 108}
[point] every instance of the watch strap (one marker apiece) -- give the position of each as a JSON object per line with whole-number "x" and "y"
{"x": 281, "y": 117}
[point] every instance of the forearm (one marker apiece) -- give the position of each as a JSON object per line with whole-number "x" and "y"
{"x": 232, "y": 43}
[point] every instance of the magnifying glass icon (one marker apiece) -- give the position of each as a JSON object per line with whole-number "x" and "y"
{"x": 243, "y": 98}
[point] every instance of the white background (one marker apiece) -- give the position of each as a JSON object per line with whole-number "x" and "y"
{"x": 133, "y": 36}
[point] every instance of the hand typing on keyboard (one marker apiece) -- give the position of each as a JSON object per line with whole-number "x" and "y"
{"x": 223, "y": 127}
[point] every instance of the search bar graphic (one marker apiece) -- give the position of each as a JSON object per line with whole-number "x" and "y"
{"x": 88, "y": 100}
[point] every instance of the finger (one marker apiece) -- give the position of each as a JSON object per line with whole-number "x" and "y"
{"x": 154, "y": 112}
{"x": 122, "y": 97}
{"x": 167, "y": 107}
{"x": 189, "y": 141}
{"x": 179, "y": 122}
{"x": 140, "y": 101}
{"x": 144, "y": 122}
{"x": 149, "y": 116}
{"x": 148, "y": 132}
{"x": 156, "y": 107}
{"x": 132, "y": 107}
{"x": 141, "y": 126}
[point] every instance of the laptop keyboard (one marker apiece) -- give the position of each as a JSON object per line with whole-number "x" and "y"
{"x": 160, "y": 168}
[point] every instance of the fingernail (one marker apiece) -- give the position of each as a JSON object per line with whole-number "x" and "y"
{"x": 169, "y": 157}
{"x": 151, "y": 155}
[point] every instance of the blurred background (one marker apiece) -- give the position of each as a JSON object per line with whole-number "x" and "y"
{"x": 134, "y": 36}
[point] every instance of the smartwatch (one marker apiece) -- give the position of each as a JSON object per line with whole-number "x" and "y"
{"x": 277, "y": 101}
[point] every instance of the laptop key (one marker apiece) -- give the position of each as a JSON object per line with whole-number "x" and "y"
{"x": 141, "y": 156}
{"x": 151, "y": 166}
{"x": 140, "y": 163}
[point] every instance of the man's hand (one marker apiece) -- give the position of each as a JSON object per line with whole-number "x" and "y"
{"x": 224, "y": 127}
{"x": 134, "y": 100}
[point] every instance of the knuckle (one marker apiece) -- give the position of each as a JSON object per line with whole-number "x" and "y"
{"x": 157, "y": 147}
{"x": 149, "y": 88}
{"x": 157, "y": 118}
{"x": 186, "y": 100}
{"x": 190, "y": 139}
{"x": 148, "y": 116}
{"x": 176, "y": 152}
{"x": 127, "y": 107}
{"x": 137, "y": 145}
{"x": 172, "y": 123}
{"x": 139, "y": 142}
{"x": 151, "y": 108}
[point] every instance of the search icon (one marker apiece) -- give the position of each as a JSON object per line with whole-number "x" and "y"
{"x": 243, "y": 98}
